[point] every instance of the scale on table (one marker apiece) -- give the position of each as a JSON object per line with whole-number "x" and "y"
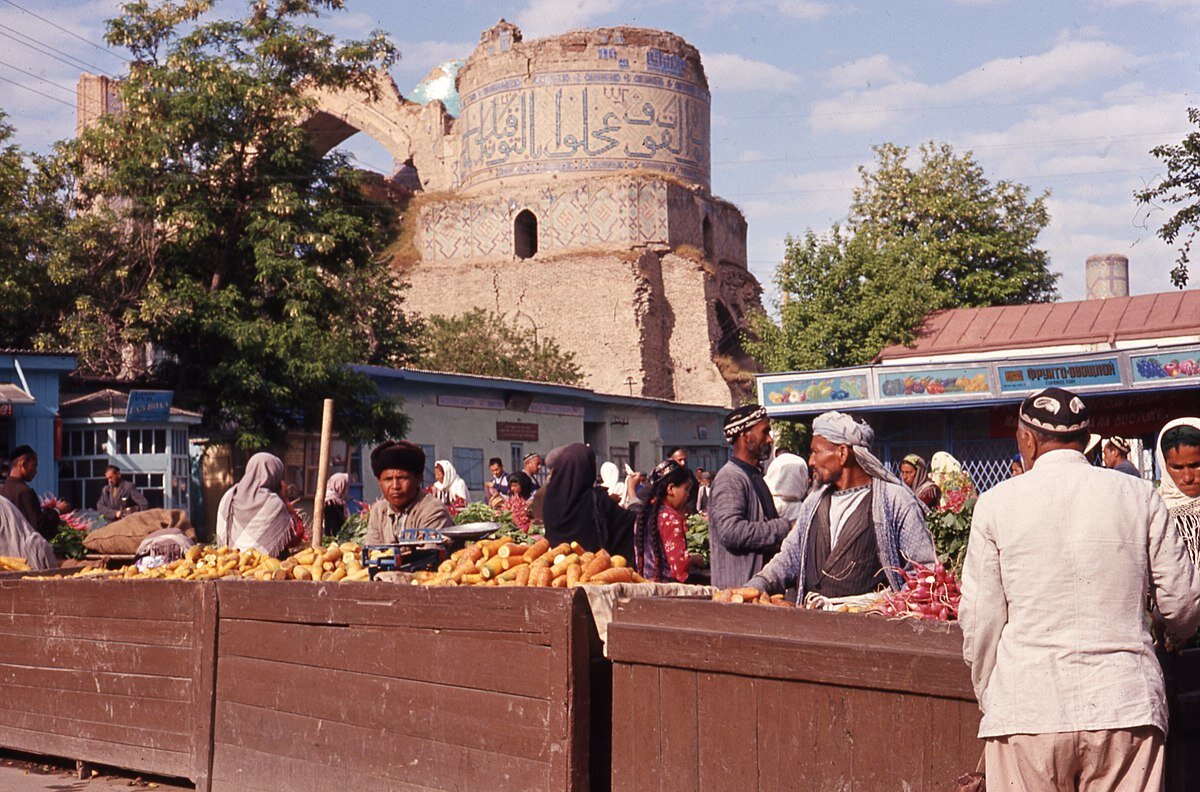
{"x": 421, "y": 548}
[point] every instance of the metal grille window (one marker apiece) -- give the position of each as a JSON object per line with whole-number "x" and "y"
{"x": 469, "y": 464}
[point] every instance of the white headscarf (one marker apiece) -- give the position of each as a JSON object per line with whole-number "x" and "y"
{"x": 1167, "y": 488}
{"x": 258, "y": 488}
{"x": 787, "y": 478}
{"x": 841, "y": 429}
{"x": 451, "y": 486}
{"x": 610, "y": 479}
{"x": 337, "y": 488}
{"x": 252, "y": 515}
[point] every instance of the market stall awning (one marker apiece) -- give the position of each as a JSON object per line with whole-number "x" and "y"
{"x": 11, "y": 393}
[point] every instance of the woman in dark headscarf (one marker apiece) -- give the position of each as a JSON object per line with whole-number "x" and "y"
{"x": 915, "y": 474}
{"x": 576, "y": 510}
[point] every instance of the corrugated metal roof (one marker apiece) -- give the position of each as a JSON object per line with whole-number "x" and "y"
{"x": 960, "y": 330}
{"x": 107, "y": 403}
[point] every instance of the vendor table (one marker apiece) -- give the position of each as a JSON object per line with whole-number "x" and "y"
{"x": 396, "y": 687}
{"x": 718, "y": 696}
{"x": 111, "y": 672}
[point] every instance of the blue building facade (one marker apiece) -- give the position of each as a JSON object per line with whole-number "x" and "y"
{"x": 29, "y": 401}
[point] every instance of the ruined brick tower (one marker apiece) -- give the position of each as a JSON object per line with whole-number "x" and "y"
{"x": 572, "y": 193}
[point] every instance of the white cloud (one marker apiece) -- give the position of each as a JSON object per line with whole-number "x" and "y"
{"x": 731, "y": 72}
{"x": 1068, "y": 63}
{"x": 869, "y": 72}
{"x": 801, "y": 9}
{"x": 418, "y": 58}
{"x": 549, "y": 17}
{"x": 804, "y": 10}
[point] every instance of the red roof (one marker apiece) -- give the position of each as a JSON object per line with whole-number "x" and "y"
{"x": 961, "y": 330}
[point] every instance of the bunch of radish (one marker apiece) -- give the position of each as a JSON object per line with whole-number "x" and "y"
{"x": 928, "y": 593}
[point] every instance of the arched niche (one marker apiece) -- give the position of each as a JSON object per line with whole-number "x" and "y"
{"x": 525, "y": 234}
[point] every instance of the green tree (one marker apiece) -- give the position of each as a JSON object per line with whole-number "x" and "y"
{"x": 1181, "y": 186}
{"x": 939, "y": 235}
{"x": 30, "y": 214}
{"x": 485, "y": 343}
{"x": 209, "y": 232}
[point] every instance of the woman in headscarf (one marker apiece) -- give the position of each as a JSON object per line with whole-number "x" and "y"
{"x": 336, "y": 491}
{"x": 252, "y": 515}
{"x": 519, "y": 485}
{"x": 577, "y": 510}
{"x": 18, "y": 539}
{"x": 450, "y": 488}
{"x": 1177, "y": 453}
{"x": 610, "y": 479}
{"x": 915, "y": 475}
{"x": 787, "y": 479}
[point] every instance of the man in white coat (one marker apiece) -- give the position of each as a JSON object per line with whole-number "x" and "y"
{"x": 1053, "y": 613}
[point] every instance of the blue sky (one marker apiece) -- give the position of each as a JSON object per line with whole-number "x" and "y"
{"x": 1062, "y": 96}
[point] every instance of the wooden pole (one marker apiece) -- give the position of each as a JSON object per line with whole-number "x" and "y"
{"x": 318, "y": 526}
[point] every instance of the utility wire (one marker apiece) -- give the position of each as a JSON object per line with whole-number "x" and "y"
{"x": 66, "y": 55}
{"x": 62, "y": 88}
{"x": 39, "y": 93}
{"x": 64, "y": 30}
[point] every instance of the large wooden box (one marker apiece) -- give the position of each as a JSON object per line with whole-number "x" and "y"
{"x": 392, "y": 687}
{"x": 710, "y": 696}
{"x": 112, "y": 672}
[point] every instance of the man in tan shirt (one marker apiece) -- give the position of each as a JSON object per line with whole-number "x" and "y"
{"x": 400, "y": 468}
{"x": 1053, "y": 613}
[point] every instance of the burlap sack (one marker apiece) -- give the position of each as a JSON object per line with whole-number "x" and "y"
{"x": 123, "y": 536}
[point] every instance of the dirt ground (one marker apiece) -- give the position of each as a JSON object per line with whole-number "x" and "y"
{"x": 27, "y": 773}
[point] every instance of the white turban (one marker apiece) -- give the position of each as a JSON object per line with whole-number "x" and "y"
{"x": 841, "y": 429}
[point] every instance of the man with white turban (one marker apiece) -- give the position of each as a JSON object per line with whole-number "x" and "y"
{"x": 859, "y": 528}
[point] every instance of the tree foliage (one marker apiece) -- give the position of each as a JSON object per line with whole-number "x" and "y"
{"x": 1181, "y": 187}
{"x": 485, "y": 343}
{"x": 917, "y": 239}
{"x": 210, "y": 230}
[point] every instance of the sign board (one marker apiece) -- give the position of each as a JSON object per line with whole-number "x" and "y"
{"x": 516, "y": 430}
{"x": 469, "y": 402}
{"x": 933, "y": 383}
{"x": 1166, "y": 368}
{"x": 821, "y": 390}
{"x": 549, "y": 408}
{"x": 1034, "y": 376}
{"x": 149, "y": 406}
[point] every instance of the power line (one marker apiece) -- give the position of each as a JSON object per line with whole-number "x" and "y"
{"x": 66, "y": 55}
{"x": 39, "y": 93}
{"x": 64, "y": 30}
{"x": 39, "y": 77}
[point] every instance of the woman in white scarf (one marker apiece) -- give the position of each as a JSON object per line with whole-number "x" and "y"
{"x": 610, "y": 479}
{"x": 1180, "y": 486}
{"x": 787, "y": 479}
{"x": 449, "y": 486}
{"x": 252, "y": 515}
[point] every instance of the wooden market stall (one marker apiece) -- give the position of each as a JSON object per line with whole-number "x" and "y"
{"x": 400, "y": 687}
{"x": 717, "y": 696}
{"x": 118, "y": 673}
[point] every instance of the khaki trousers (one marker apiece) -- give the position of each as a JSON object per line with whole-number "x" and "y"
{"x": 1110, "y": 760}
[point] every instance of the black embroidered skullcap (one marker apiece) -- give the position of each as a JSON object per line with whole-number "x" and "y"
{"x": 398, "y": 455}
{"x": 529, "y": 456}
{"x": 1055, "y": 411}
{"x": 742, "y": 419}
{"x": 1120, "y": 443}
{"x": 20, "y": 451}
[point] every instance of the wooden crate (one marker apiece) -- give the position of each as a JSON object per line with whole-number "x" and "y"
{"x": 328, "y": 686}
{"x": 713, "y": 696}
{"x": 111, "y": 672}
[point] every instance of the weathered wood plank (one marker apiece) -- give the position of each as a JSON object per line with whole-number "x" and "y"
{"x": 16, "y": 626}
{"x": 470, "y": 718}
{"x": 728, "y": 712}
{"x": 91, "y": 656}
{"x": 405, "y": 758}
{"x": 678, "y": 736}
{"x": 204, "y": 687}
{"x": 131, "y": 757}
{"x": 164, "y": 600}
{"x": 118, "y": 734}
{"x": 236, "y": 767}
{"x": 435, "y": 656}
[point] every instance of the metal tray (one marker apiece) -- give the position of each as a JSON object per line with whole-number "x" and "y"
{"x": 475, "y": 530}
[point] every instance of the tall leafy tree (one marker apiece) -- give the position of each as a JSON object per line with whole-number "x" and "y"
{"x": 485, "y": 343}
{"x": 917, "y": 239}
{"x": 1181, "y": 187}
{"x": 209, "y": 232}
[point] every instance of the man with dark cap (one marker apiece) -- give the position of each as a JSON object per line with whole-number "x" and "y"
{"x": 1116, "y": 456}
{"x": 23, "y": 466}
{"x": 859, "y": 528}
{"x": 1053, "y": 613}
{"x": 744, "y": 529}
{"x": 400, "y": 468}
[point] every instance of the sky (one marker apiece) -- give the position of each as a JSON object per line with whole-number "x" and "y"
{"x": 1065, "y": 97}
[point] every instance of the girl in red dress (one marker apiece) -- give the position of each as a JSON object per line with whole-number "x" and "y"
{"x": 660, "y": 534}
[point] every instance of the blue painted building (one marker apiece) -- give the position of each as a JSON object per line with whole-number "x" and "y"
{"x": 29, "y": 400}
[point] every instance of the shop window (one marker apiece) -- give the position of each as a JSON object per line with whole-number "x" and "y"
{"x": 525, "y": 234}
{"x": 302, "y": 459}
{"x": 469, "y": 464}
{"x": 516, "y": 457}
